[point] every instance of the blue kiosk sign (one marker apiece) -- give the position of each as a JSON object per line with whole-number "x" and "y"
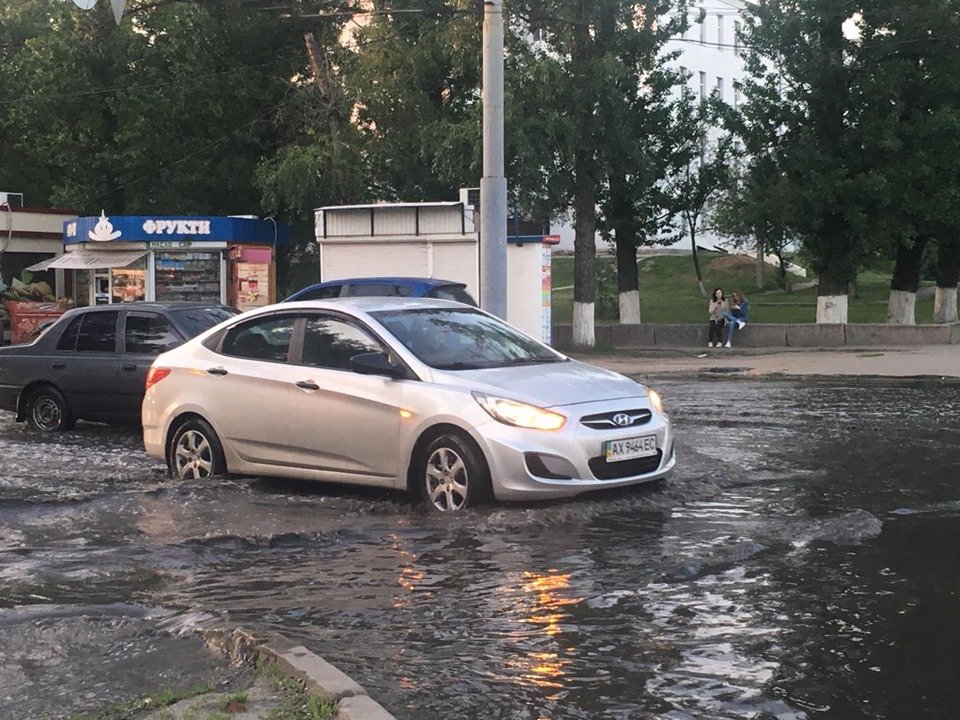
{"x": 131, "y": 258}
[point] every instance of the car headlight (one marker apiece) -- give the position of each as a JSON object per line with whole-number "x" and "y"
{"x": 655, "y": 400}
{"x": 518, "y": 414}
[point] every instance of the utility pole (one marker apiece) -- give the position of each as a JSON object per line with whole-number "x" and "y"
{"x": 493, "y": 184}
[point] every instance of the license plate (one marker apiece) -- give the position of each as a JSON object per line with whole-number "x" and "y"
{"x": 617, "y": 450}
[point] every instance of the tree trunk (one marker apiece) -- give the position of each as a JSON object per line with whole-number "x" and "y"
{"x": 948, "y": 276}
{"x": 696, "y": 258}
{"x": 784, "y": 280}
{"x": 832, "y": 301}
{"x": 625, "y": 238}
{"x": 759, "y": 281}
{"x": 585, "y": 255}
{"x": 901, "y": 308}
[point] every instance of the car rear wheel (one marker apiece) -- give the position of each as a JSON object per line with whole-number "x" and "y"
{"x": 196, "y": 452}
{"x": 47, "y": 411}
{"x": 454, "y": 474}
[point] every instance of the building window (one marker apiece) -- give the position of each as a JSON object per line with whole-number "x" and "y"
{"x": 703, "y": 26}
{"x": 736, "y": 96}
{"x": 720, "y": 32}
{"x": 703, "y": 85}
{"x": 719, "y": 90}
{"x": 736, "y": 39}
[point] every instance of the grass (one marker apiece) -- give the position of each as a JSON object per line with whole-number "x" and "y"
{"x": 669, "y": 292}
{"x": 158, "y": 700}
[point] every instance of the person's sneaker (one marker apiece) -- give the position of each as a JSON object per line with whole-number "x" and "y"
{"x": 741, "y": 324}
{"x": 727, "y": 345}
{"x": 709, "y": 344}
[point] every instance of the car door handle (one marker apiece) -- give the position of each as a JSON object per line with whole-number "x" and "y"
{"x": 129, "y": 368}
{"x": 58, "y": 366}
{"x": 308, "y": 385}
{"x": 217, "y": 371}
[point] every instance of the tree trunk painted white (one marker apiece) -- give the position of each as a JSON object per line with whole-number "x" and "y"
{"x": 630, "y": 308}
{"x": 902, "y": 308}
{"x": 832, "y": 309}
{"x": 583, "y": 330}
{"x": 945, "y": 305}
{"x": 759, "y": 266}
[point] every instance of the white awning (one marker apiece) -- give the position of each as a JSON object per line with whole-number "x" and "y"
{"x": 90, "y": 260}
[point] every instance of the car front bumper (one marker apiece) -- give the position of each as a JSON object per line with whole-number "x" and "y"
{"x": 533, "y": 464}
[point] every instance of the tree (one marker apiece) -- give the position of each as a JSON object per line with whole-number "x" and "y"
{"x": 908, "y": 59}
{"x": 948, "y": 277}
{"x": 705, "y": 168}
{"x": 753, "y": 210}
{"x": 642, "y": 141}
{"x": 170, "y": 111}
{"x": 803, "y": 104}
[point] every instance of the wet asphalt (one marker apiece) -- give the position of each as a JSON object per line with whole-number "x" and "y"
{"x": 802, "y": 562}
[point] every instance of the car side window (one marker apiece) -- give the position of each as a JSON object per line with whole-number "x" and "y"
{"x": 452, "y": 292}
{"x": 377, "y": 290}
{"x": 324, "y": 293}
{"x": 68, "y": 340}
{"x": 148, "y": 334}
{"x": 98, "y": 332}
{"x": 263, "y": 339}
{"x": 331, "y": 342}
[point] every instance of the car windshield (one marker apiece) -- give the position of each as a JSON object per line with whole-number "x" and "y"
{"x": 196, "y": 320}
{"x": 454, "y": 339}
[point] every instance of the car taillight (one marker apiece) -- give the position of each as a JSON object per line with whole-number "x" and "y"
{"x": 155, "y": 375}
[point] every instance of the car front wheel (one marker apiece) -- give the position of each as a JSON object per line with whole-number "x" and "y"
{"x": 47, "y": 411}
{"x": 454, "y": 474}
{"x": 195, "y": 452}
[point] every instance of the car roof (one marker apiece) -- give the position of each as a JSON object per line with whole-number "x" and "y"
{"x": 152, "y": 305}
{"x": 430, "y": 282}
{"x": 368, "y": 304}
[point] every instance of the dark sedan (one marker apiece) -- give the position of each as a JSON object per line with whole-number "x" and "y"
{"x": 92, "y": 363}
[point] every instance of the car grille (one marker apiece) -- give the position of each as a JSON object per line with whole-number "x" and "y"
{"x": 605, "y": 421}
{"x": 603, "y": 470}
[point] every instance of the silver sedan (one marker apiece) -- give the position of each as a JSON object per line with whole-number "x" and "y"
{"x": 429, "y": 396}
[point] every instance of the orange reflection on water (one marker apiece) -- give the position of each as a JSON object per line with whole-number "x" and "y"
{"x": 548, "y": 610}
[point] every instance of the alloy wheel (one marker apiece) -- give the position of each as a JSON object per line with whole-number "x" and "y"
{"x": 446, "y": 480}
{"x": 193, "y": 456}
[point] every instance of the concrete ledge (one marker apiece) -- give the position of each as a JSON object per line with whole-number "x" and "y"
{"x": 321, "y": 678}
{"x": 887, "y": 335}
{"x": 815, "y": 336}
{"x": 632, "y": 336}
{"x": 762, "y": 335}
{"x": 361, "y": 707}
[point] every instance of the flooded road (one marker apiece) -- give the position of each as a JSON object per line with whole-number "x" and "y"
{"x": 803, "y": 562}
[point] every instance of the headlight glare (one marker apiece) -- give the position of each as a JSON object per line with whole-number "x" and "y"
{"x": 518, "y": 414}
{"x": 655, "y": 400}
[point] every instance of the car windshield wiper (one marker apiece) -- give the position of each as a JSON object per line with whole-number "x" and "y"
{"x": 460, "y": 366}
{"x": 528, "y": 361}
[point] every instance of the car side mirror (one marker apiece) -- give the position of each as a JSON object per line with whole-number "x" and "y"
{"x": 376, "y": 363}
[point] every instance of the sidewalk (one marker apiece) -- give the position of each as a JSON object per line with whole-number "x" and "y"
{"x": 930, "y": 361}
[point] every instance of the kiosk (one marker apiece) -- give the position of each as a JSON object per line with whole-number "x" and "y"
{"x": 230, "y": 260}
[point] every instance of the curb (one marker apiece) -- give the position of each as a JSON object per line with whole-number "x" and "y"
{"x": 319, "y": 677}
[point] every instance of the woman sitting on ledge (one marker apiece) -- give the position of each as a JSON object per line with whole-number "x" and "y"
{"x": 737, "y": 315}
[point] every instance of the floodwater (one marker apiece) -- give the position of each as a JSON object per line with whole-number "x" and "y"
{"x": 803, "y": 562}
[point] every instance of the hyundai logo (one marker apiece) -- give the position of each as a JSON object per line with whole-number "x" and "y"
{"x": 622, "y": 419}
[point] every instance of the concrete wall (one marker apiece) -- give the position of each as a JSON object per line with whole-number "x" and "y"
{"x": 755, "y": 335}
